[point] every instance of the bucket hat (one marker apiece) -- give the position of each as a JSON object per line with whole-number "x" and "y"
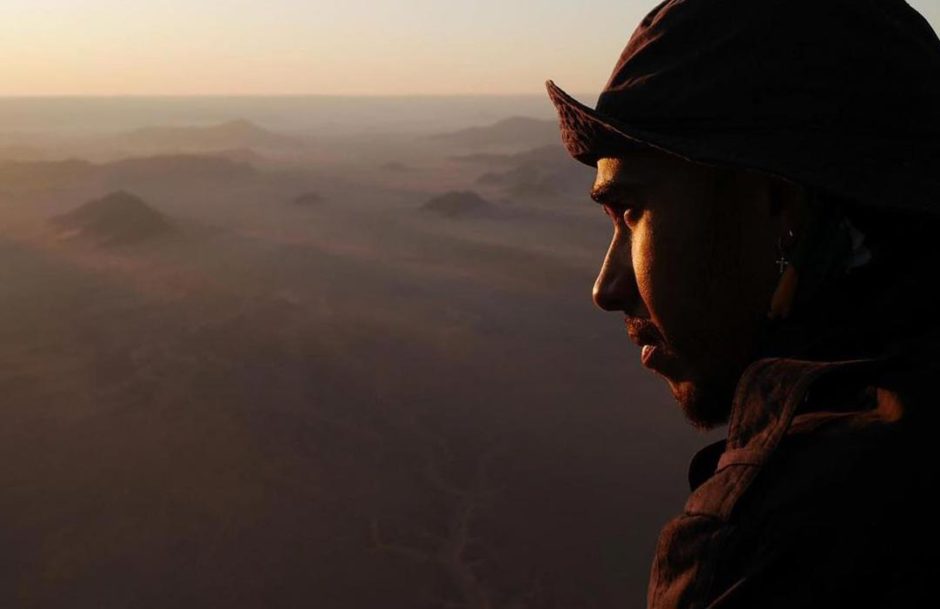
{"x": 841, "y": 95}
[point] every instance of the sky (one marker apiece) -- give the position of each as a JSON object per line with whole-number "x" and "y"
{"x": 302, "y": 47}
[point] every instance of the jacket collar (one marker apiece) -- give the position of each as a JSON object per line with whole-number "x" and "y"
{"x": 769, "y": 393}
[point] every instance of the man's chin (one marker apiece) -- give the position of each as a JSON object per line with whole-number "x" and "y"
{"x": 704, "y": 406}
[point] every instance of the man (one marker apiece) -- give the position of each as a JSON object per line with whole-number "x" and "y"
{"x": 771, "y": 169}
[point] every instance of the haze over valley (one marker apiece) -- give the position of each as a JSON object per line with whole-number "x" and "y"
{"x": 257, "y": 355}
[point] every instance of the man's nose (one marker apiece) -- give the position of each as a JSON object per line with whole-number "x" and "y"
{"x": 615, "y": 288}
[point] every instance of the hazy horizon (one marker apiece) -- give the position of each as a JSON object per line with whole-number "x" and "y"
{"x": 320, "y": 116}
{"x": 244, "y": 362}
{"x": 289, "y": 47}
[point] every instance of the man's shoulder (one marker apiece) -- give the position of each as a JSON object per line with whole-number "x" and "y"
{"x": 864, "y": 421}
{"x": 820, "y": 496}
{"x": 833, "y": 467}
{"x": 854, "y": 440}
{"x": 799, "y": 419}
{"x": 823, "y": 489}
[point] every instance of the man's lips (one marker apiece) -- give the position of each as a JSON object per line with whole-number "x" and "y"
{"x": 653, "y": 354}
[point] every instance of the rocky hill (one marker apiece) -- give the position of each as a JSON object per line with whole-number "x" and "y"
{"x": 515, "y": 132}
{"x": 236, "y": 134}
{"x": 457, "y": 203}
{"x": 117, "y": 218}
{"x": 308, "y": 199}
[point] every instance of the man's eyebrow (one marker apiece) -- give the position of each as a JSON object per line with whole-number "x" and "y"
{"x": 603, "y": 193}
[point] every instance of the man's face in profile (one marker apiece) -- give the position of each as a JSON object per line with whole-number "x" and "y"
{"x": 691, "y": 265}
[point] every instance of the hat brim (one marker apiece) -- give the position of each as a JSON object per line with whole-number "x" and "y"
{"x": 589, "y": 135}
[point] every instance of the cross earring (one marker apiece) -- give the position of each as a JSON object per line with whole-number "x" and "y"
{"x": 782, "y": 248}
{"x": 784, "y": 295}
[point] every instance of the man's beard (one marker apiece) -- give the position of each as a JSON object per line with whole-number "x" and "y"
{"x": 706, "y": 405}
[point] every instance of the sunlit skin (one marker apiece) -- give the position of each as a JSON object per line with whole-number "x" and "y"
{"x": 694, "y": 252}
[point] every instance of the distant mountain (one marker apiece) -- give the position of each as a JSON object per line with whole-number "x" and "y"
{"x": 237, "y": 134}
{"x": 44, "y": 174}
{"x": 176, "y": 167}
{"x": 395, "y": 166}
{"x": 548, "y": 154}
{"x": 308, "y": 199}
{"x": 239, "y": 155}
{"x": 126, "y": 173}
{"x": 516, "y": 132}
{"x": 117, "y": 218}
{"x": 539, "y": 172}
{"x": 21, "y": 152}
{"x": 458, "y": 203}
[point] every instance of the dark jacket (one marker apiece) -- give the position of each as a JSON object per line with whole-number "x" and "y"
{"x": 821, "y": 495}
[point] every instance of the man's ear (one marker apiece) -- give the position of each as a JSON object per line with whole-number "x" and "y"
{"x": 790, "y": 201}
